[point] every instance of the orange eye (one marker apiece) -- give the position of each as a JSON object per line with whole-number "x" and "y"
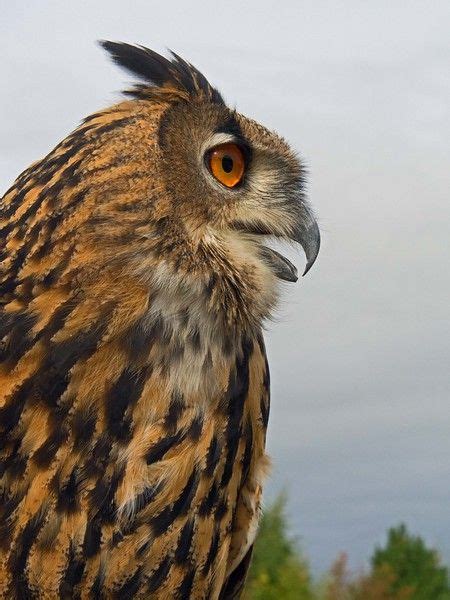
{"x": 227, "y": 164}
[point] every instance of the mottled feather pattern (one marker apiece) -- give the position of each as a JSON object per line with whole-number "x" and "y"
{"x": 134, "y": 387}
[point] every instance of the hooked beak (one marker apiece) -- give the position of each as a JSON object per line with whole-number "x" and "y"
{"x": 308, "y": 236}
{"x": 306, "y": 233}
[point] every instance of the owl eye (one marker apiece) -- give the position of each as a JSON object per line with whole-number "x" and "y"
{"x": 227, "y": 164}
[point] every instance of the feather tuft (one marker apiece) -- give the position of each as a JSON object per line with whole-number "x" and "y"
{"x": 158, "y": 71}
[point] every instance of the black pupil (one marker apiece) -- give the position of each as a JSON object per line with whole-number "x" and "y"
{"x": 227, "y": 163}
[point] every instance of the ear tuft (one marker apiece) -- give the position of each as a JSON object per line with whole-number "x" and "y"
{"x": 157, "y": 71}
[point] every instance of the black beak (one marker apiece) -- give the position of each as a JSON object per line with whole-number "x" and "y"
{"x": 307, "y": 234}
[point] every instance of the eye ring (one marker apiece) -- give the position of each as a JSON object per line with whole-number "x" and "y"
{"x": 227, "y": 163}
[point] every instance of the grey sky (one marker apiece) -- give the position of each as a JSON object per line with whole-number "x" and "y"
{"x": 359, "y": 352}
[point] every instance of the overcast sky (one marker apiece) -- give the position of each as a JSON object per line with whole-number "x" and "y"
{"x": 359, "y": 352}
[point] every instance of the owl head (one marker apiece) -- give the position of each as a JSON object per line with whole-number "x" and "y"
{"x": 219, "y": 185}
{"x": 175, "y": 190}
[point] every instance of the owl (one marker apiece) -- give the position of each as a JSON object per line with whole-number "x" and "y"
{"x": 135, "y": 279}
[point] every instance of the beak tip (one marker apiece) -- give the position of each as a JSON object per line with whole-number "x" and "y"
{"x": 310, "y": 241}
{"x": 309, "y": 264}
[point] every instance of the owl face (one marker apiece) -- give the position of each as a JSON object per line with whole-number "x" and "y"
{"x": 229, "y": 175}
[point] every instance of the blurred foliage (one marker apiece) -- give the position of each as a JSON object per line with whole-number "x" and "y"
{"x": 413, "y": 566}
{"x": 278, "y": 571}
{"x": 404, "y": 569}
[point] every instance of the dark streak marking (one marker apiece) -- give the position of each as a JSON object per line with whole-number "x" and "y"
{"x": 63, "y": 355}
{"x": 57, "y": 320}
{"x": 159, "y": 575}
{"x": 53, "y": 221}
{"x": 161, "y": 522}
{"x": 213, "y": 456}
{"x": 184, "y": 591}
{"x": 265, "y": 408}
{"x": 235, "y": 582}
{"x": 96, "y": 591}
{"x": 19, "y": 341}
{"x": 117, "y": 537}
{"x": 159, "y": 449}
{"x": 144, "y": 547}
{"x": 195, "y": 428}
{"x": 83, "y": 427}
{"x": 67, "y": 500}
{"x": 7, "y": 508}
{"x": 66, "y": 178}
{"x": 92, "y": 538}
{"x": 130, "y": 586}
{"x": 174, "y": 412}
{"x": 101, "y": 498}
{"x": 247, "y": 457}
{"x": 19, "y": 555}
{"x": 137, "y": 341}
{"x": 184, "y": 542}
{"x": 209, "y": 501}
{"x": 123, "y": 395}
{"x": 236, "y": 395}
{"x": 99, "y": 457}
{"x": 266, "y": 380}
{"x": 15, "y": 464}
{"x": 221, "y": 510}
{"x": 45, "y": 454}
{"x": 212, "y": 550}
{"x": 72, "y": 575}
{"x": 211, "y": 285}
{"x": 11, "y": 412}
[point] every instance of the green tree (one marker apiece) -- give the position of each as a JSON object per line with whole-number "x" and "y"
{"x": 403, "y": 569}
{"x": 278, "y": 571}
{"x": 413, "y": 568}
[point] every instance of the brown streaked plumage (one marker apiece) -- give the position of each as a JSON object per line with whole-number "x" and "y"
{"x": 134, "y": 386}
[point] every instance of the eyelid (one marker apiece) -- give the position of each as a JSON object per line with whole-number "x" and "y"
{"x": 218, "y": 139}
{"x": 230, "y": 139}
